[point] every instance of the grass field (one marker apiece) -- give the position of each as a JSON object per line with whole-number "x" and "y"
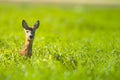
{"x": 72, "y": 42}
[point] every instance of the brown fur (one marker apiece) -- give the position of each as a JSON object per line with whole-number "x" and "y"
{"x": 27, "y": 51}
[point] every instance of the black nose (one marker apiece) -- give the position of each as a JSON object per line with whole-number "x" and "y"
{"x": 31, "y": 36}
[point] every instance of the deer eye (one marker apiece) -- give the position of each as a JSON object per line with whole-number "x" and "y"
{"x": 27, "y": 31}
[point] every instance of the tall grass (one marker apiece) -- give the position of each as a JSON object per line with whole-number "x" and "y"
{"x": 72, "y": 43}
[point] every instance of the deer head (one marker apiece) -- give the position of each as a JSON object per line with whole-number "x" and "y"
{"x": 30, "y": 31}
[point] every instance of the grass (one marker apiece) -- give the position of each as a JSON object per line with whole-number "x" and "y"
{"x": 72, "y": 43}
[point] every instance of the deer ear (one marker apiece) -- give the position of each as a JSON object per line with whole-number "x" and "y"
{"x": 36, "y": 25}
{"x": 24, "y": 24}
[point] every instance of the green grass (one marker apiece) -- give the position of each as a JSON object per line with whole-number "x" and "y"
{"x": 72, "y": 43}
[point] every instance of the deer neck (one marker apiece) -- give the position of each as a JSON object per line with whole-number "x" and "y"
{"x": 28, "y": 46}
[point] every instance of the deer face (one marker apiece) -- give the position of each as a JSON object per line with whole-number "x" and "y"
{"x": 30, "y": 31}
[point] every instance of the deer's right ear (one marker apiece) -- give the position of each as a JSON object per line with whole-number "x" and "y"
{"x": 24, "y": 24}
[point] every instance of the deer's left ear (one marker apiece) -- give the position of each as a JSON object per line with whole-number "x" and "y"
{"x": 24, "y": 24}
{"x": 36, "y": 25}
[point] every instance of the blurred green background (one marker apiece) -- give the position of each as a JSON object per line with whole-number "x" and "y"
{"x": 74, "y": 41}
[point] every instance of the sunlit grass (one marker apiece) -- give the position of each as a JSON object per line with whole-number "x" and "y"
{"x": 74, "y": 42}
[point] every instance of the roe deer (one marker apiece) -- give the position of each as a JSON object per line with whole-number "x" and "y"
{"x": 30, "y": 33}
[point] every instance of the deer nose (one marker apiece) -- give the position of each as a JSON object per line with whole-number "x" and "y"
{"x": 31, "y": 36}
